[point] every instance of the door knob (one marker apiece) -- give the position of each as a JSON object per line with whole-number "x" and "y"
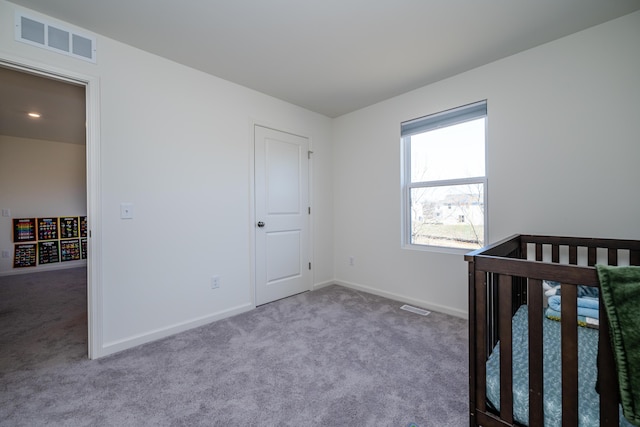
{"x": 260, "y": 224}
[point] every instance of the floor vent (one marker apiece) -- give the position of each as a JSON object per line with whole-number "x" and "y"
{"x": 415, "y": 310}
{"x": 54, "y": 37}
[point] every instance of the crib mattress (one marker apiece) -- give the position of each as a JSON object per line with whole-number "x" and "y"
{"x": 588, "y": 399}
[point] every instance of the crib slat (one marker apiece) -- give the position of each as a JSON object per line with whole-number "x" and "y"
{"x": 612, "y": 256}
{"x": 480, "y": 338}
{"x": 634, "y": 257}
{"x": 607, "y": 377}
{"x": 492, "y": 314}
{"x": 573, "y": 255}
{"x": 506, "y": 375}
{"x": 593, "y": 257}
{"x": 536, "y": 412}
{"x": 473, "y": 334}
{"x": 538, "y": 252}
{"x": 555, "y": 253}
{"x": 569, "y": 346}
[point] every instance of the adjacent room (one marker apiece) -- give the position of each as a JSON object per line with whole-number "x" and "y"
{"x": 253, "y": 197}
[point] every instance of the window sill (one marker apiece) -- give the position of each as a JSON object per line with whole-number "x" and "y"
{"x": 437, "y": 249}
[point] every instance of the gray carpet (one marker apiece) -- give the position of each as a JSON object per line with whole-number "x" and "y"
{"x": 332, "y": 357}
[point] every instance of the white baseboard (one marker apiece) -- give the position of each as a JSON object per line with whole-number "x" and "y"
{"x": 124, "y": 344}
{"x": 46, "y": 267}
{"x": 321, "y": 285}
{"x": 405, "y": 299}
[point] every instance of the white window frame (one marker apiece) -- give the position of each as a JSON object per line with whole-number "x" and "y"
{"x": 424, "y": 124}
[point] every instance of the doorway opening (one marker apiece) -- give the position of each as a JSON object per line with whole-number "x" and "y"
{"x": 54, "y": 176}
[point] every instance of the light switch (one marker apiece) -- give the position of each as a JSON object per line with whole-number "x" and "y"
{"x": 126, "y": 210}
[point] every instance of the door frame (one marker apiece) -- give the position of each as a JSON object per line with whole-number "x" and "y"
{"x": 94, "y": 220}
{"x": 252, "y": 202}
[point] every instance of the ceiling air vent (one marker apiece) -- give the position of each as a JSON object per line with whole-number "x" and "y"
{"x": 54, "y": 37}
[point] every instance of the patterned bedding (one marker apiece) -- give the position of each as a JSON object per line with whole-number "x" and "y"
{"x": 588, "y": 399}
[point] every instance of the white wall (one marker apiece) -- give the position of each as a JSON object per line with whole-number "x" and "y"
{"x": 563, "y": 152}
{"x": 39, "y": 179}
{"x": 177, "y": 143}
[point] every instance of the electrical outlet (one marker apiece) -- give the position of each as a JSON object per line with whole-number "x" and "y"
{"x": 215, "y": 282}
{"x": 6, "y": 254}
{"x": 352, "y": 261}
{"x": 6, "y": 212}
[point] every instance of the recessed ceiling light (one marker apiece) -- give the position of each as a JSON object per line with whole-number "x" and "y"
{"x": 34, "y": 115}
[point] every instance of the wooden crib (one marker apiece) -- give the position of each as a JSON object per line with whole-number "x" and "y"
{"x": 509, "y": 274}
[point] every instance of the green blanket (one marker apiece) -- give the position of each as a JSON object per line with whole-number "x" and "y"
{"x": 620, "y": 290}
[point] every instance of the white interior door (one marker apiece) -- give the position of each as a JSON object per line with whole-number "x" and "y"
{"x": 282, "y": 214}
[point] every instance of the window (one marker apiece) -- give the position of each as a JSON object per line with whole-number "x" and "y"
{"x": 444, "y": 182}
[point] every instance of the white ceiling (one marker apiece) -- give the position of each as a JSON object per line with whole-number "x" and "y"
{"x": 333, "y": 56}
{"x": 61, "y": 105}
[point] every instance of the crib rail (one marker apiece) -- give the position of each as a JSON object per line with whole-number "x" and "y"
{"x": 508, "y": 274}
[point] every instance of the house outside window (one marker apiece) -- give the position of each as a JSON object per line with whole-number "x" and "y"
{"x": 444, "y": 179}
